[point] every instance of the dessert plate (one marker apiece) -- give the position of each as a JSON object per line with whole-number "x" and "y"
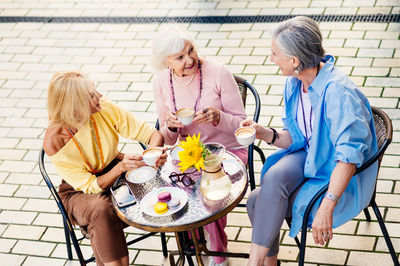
{"x": 141, "y": 175}
{"x": 148, "y": 201}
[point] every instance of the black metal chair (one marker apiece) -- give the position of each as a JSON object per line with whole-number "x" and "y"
{"x": 384, "y": 132}
{"x": 69, "y": 228}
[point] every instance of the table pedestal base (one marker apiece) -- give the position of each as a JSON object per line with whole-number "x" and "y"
{"x": 187, "y": 247}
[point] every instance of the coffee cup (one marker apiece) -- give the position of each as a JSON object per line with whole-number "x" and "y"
{"x": 245, "y": 135}
{"x": 185, "y": 115}
{"x": 151, "y": 155}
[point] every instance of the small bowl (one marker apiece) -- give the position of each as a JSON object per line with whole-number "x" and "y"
{"x": 185, "y": 115}
{"x": 245, "y": 135}
{"x": 151, "y": 155}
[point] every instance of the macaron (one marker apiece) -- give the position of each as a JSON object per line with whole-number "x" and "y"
{"x": 164, "y": 196}
{"x": 160, "y": 207}
{"x": 173, "y": 203}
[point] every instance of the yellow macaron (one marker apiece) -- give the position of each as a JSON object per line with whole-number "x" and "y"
{"x": 161, "y": 207}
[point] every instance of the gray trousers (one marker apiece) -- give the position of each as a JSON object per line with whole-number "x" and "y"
{"x": 268, "y": 205}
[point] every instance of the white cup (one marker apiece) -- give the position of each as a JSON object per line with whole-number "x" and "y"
{"x": 151, "y": 155}
{"x": 185, "y": 115}
{"x": 245, "y": 135}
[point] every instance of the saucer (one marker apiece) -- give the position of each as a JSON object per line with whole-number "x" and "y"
{"x": 141, "y": 175}
{"x": 231, "y": 166}
{"x": 174, "y": 152}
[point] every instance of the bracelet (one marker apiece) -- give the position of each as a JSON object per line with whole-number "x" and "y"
{"x": 332, "y": 197}
{"x": 274, "y": 137}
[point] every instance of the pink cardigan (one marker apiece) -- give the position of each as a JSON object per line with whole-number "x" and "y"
{"x": 219, "y": 91}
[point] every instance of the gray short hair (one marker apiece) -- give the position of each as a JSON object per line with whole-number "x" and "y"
{"x": 300, "y": 37}
{"x": 170, "y": 40}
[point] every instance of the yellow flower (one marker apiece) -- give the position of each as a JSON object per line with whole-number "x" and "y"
{"x": 192, "y": 154}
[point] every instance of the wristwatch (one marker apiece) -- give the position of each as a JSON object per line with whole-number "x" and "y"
{"x": 331, "y": 196}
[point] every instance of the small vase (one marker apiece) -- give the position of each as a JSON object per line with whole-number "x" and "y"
{"x": 215, "y": 184}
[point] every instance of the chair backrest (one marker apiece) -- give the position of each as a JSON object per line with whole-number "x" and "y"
{"x": 243, "y": 86}
{"x": 383, "y": 129}
{"x": 53, "y": 190}
{"x": 384, "y": 134}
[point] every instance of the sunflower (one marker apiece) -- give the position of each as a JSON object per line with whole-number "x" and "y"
{"x": 192, "y": 154}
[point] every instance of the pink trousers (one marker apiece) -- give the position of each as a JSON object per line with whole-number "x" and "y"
{"x": 218, "y": 237}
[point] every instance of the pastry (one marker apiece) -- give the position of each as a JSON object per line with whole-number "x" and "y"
{"x": 164, "y": 196}
{"x": 174, "y": 203}
{"x": 160, "y": 207}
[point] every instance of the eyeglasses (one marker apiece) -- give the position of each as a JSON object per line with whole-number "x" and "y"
{"x": 184, "y": 178}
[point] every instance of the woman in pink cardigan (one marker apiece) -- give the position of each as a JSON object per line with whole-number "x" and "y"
{"x": 184, "y": 80}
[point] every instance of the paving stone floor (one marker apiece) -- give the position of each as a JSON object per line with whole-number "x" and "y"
{"x": 117, "y": 58}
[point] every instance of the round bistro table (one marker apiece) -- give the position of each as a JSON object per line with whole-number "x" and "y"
{"x": 198, "y": 211}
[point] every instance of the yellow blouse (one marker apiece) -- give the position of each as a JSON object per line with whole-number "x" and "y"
{"x": 111, "y": 121}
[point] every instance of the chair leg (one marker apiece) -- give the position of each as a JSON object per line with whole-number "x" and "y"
{"x": 67, "y": 240}
{"x": 385, "y": 233}
{"x": 164, "y": 245}
{"x": 367, "y": 215}
{"x": 303, "y": 246}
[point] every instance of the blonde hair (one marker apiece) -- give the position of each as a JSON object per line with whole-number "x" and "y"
{"x": 170, "y": 40}
{"x": 68, "y": 99}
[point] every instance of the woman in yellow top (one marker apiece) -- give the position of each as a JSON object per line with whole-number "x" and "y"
{"x": 82, "y": 142}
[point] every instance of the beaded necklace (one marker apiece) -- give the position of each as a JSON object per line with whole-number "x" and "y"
{"x": 99, "y": 152}
{"x": 173, "y": 93}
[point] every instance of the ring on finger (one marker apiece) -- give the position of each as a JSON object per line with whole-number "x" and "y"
{"x": 207, "y": 115}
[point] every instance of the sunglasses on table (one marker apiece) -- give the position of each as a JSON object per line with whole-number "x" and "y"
{"x": 183, "y": 178}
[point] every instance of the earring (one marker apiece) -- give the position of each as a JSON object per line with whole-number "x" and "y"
{"x": 296, "y": 72}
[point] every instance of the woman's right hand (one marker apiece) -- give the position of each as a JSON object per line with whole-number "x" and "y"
{"x": 261, "y": 132}
{"x": 172, "y": 122}
{"x": 131, "y": 161}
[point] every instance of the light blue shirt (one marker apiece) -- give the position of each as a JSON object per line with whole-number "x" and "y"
{"x": 343, "y": 130}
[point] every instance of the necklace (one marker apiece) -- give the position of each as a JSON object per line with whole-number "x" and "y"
{"x": 200, "y": 89}
{"x": 182, "y": 84}
{"x": 99, "y": 152}
{"x": 304, "y": 118}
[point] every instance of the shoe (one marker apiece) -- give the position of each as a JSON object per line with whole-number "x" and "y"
{"x": 211, "y": 262}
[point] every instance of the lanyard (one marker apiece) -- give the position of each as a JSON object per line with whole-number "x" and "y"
{"x": 99, "y": 152}
{"x": 304, "y": 118}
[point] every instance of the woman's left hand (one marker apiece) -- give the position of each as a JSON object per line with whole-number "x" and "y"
{"x": 322, "y": 224}
{"x": 163, "y": 158}
{"x": 207, "y": 115}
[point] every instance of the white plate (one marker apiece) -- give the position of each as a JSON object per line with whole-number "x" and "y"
{"x": 141, "y": 175}
{"x": 231, "y": 166}
{"x": 174, "y": 152}
{"x": 146, "y": 204}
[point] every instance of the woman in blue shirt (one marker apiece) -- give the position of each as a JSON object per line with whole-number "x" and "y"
{"x": 328, "y": 132}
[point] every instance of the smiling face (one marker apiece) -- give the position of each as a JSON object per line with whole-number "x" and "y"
{"x": 286, "y": 64}
{"x": 184, "y": 62}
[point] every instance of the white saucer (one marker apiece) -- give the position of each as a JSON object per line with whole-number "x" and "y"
{"x": 146, "y": 204}
{"x": 174, "y": 152}
{"x": 141, "y": 175}
{"x": 231, "y": 166}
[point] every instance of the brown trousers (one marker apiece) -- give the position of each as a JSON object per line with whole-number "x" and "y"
{"x": 97, "y": 213}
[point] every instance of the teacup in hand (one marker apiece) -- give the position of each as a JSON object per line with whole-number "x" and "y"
{"x": 245, "y": 135}
{"x": 185, "y": 115}
{"x": 151, "y": 155}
